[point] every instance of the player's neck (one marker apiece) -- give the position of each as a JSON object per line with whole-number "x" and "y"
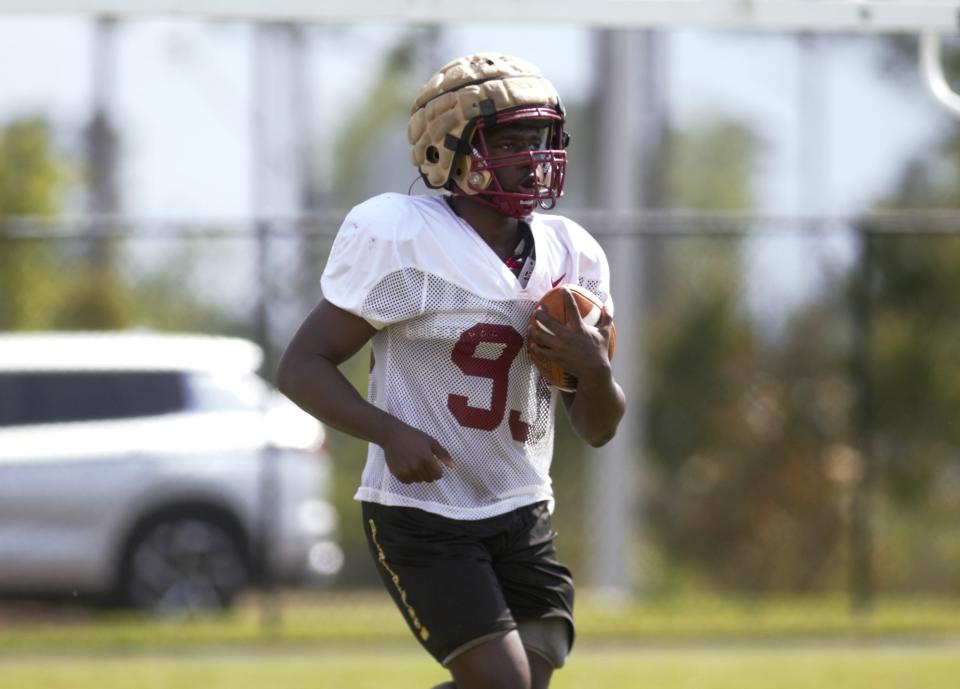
{"x": 498, "y": 231}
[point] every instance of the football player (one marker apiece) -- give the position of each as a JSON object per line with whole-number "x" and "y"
{"x": 456, "y": 495}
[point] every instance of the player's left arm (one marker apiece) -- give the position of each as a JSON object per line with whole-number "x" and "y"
{"x": 597, "y": 405}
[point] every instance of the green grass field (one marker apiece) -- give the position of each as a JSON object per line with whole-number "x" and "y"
{"x": 358, "y": 641}
{"x": 746, "y": 667}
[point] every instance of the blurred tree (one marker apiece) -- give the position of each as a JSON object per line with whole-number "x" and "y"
{"x": 51, "y": 283}
{"x": 387, "y": 102}
{"x": 42, "y": 286}
{"x": 711, "y": 165}
{"x": 744, "y": 437}
{"x": 914, "y": 386}
{"x": 33, "y": 177}
{"x": 915, "y": 317}
{"x": 176, "y": 295}
{"x": 740, "y": 428}
{"x": 37, "y": 290}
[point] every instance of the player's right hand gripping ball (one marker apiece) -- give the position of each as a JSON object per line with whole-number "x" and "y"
{"x": 591, "y": 310}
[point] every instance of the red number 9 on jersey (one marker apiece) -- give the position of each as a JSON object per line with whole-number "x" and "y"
{"x": 497, "y": 370}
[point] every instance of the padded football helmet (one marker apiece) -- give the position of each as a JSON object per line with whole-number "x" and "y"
{"x": 459, "y": 106}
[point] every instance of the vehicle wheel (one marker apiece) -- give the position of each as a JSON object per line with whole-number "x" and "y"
{"x": 183, "y": 564}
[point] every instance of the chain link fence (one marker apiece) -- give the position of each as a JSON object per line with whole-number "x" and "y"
{"x": 798, "y": 393}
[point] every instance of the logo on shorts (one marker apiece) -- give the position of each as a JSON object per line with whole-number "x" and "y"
{"x": 556, "y": 282}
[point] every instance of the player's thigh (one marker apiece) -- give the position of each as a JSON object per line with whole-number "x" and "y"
{"x": 440, "y": 579}
{"x": 535, "y": 584}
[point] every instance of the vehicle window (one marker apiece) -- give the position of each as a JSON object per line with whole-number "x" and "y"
{"x": 209, "y": 392}
{"x": 60, "y": 396}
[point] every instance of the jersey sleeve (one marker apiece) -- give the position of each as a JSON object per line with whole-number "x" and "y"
{"x": 595, "y": 276}
{"x": 593, "y": 270}
{"x": 370, "y": 273}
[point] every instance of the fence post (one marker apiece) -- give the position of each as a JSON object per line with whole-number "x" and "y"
{"x": 269, "y": 484}
{"x": 862, "y": 584}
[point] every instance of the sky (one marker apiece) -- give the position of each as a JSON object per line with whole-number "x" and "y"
{"x": 185, "y": 103}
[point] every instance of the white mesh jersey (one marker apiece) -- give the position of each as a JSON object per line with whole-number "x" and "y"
{"x": 450, "y": 356}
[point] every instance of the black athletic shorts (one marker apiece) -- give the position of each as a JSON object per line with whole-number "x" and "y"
{"x": 460, "y": 581}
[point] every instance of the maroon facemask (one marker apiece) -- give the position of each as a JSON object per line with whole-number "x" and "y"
{"x": 546, "y": 166}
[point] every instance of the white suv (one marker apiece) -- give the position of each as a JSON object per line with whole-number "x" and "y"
{"x": 157, "y": 470}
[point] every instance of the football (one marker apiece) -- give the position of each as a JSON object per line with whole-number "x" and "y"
{"x": 591, "y": 309}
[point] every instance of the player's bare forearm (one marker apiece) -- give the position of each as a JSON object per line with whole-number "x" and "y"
{"x": 309, "y": 375}
{"x": 596, "y": 407}
{"x": 318, "y": 387}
